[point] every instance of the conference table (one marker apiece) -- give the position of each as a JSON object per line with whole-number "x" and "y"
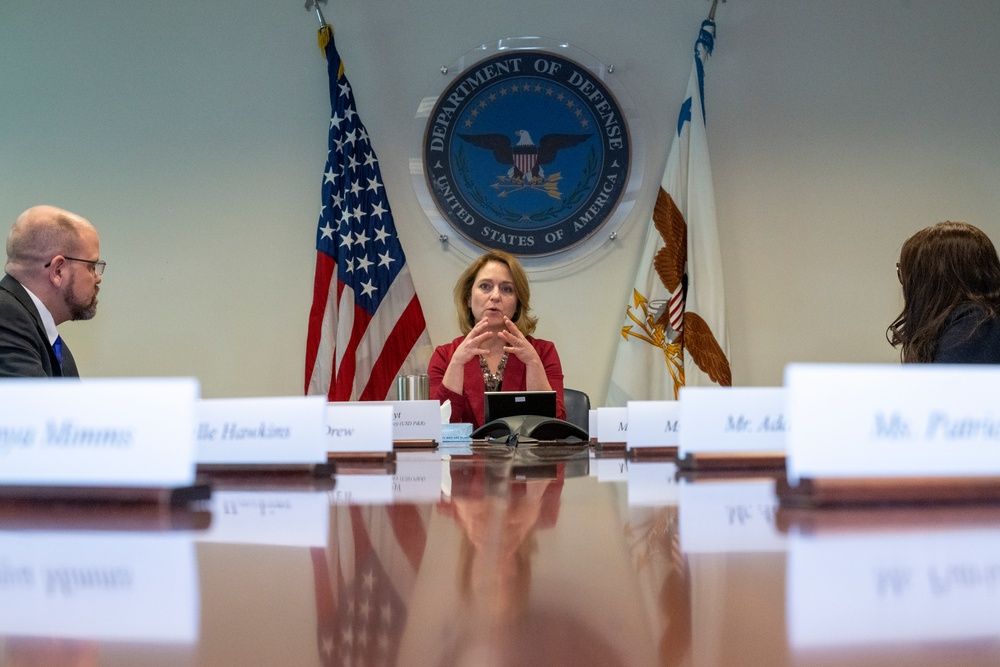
{"x": 488, "y": 555}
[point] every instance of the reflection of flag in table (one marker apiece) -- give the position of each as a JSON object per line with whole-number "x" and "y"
{"x": 366, "y": 325}
{"x": 362, "y": 599}
{"x": 675, "y": 329}
{"x": 653, "y": 538}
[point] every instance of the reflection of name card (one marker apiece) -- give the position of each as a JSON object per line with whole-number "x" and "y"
{"x": 612, "y": 425}
{"x": 609, "y": 470}
{"x": 652, "y": 424}
{"x": 359, "y": 427}
{"x": 294, "y": 519}
{"x": 652, "y": 483}
{"x": 101, "y": 432}
{"x": 732, "y": 419}
{"x": 418, "y": 477}
{"x": 727, "y": 516}
{"x": 99, "y": 586}
{"x": 287, "y": 430}
{"x": 415, "y": 420}
{"x": 917, "y": 420}
{"x": 889, "y": 588}
{"x": 362, "y": 490}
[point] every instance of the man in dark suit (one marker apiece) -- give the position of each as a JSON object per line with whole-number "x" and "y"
{"x": 53, "y": 273}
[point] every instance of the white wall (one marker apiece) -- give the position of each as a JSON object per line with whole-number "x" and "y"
{"x": 193, "y": 135}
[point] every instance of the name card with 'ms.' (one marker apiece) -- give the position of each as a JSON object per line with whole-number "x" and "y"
{"x": 653, "y": 424}
{"x": 883, "y": 421}
{"x": 277, "y": 430}
{"x": 612, "y": 425}
{"x": 97, "y": 433}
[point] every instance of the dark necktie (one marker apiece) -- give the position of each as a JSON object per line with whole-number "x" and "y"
{"x": 57, "y": 347}
{"x": 65, "y": 358}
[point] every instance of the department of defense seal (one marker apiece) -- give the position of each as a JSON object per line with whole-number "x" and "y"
{"x": 526, "y": 152}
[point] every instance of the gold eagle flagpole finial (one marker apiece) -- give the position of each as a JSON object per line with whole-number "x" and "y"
{"x": 324, "y": 27}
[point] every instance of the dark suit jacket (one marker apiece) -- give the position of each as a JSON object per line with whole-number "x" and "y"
{"x": 969, "y": 337}
{"x": 24, "y": 347}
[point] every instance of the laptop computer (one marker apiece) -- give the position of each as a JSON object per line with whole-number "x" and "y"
{"x": 500, "y": 404}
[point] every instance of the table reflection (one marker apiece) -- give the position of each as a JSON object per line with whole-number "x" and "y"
{"x": 488, "y": 555}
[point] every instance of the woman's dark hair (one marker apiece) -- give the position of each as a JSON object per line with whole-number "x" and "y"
{"x": 942, "y": 267}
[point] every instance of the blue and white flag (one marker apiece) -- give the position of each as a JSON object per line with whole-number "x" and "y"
{"x": 675, "y": 328}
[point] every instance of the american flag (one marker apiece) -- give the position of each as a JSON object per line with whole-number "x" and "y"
{"x": 366, "y": 325}
{"x": 363, "y": 591}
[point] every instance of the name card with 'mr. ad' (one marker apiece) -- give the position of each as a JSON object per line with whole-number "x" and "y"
{"x": 119, "y": 432}
{"x": 868, "y": 421}
{"x": 732, "y": 420}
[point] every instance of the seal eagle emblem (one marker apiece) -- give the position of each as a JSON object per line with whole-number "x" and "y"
{"x": 499, "y": 187}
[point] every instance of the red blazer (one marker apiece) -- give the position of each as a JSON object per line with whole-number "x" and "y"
{"x": 469, "y": 406}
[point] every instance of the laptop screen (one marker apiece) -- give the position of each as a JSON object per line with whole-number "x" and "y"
{"x": 500, "y": 404}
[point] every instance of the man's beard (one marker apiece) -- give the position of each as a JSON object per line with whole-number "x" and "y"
{"x": 80, "y": 310}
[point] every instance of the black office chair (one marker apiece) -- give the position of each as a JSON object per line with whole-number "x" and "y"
{"x": 577, "y": 408}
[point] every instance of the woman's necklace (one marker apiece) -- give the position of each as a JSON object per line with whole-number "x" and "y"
{"x": 492, "y": 380}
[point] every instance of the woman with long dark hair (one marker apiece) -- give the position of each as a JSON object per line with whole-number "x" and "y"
{"x": 950, "y": 274}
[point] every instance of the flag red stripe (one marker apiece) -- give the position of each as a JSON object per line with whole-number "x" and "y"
{"x": 325, "y": 268}
{"x": 397, "y": 347}
{"x": 343, "y": 384}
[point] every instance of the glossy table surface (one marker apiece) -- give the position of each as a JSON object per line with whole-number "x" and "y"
{"x": 494, "y": 556}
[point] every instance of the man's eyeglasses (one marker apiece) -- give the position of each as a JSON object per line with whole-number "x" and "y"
{"x": 99, "y": 264}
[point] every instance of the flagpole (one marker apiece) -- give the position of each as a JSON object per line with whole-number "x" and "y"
{"x": 711, "y": 12}
{"x": 314, "y": 5}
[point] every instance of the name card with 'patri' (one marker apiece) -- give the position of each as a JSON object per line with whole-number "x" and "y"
{"x": 652, "y": 424}
{"x": 97, "y": 433}
{"x": 276, "y": 430}
{"x": 353, "y": 428}
{"x": 732, "y": 420}
{"x": 869, "y": 421}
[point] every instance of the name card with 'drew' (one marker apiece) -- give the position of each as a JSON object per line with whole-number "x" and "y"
{"x": 612, "y": 425}
{"x": 415, "y": 420}
{"x": 653, "y": 424}
{"x": 359, "y": 428}
{"x": 280, "y": 430}
{"x": 100, "y": 432}
{"x": 732, "y": 420}
{"x": 868, "y": 421}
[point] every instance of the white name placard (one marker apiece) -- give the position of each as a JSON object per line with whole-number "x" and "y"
{"x": 732, "y": 419}
{"x": 652, "y": 483}
{"x": 415, "y": 420}
{"x": 287, "y": 430}
{"x": 653, "y": 424}
{"x": 728, "y": 516}
{"x": 358, "y": 427}
{"x": 98, "y": 432}
{"x": 612, "y": 424}
{"x": 893, "y": 587}
{"x": 892, "y": 421}
{"x": 279, "y": 518}
{"x": 119, "y": 586}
